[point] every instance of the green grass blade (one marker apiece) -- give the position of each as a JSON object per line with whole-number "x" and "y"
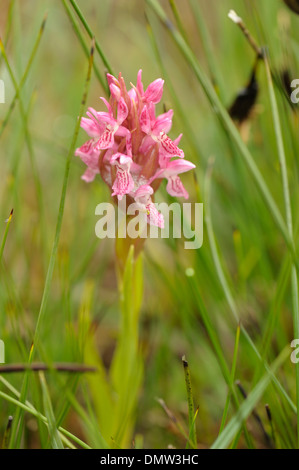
{"x": 29, "y": 408}
{"x": 227, "y": 435}
{"x": 229, "y": 125}
{"x": 227, "y": 291}
{"x": 5, "y": 441}
{"x": 288, "y": 210}
{"x": 84, "y": 45}
{"x": 191, "y": 412}
{"x": 49, "y": 413}
{"x": 91, "y": 35}
{"x": 49, "y": 276}
{"x": 8, "y": 222}
{"x": 24, "y": 77}
{"x": 233, "y": 372}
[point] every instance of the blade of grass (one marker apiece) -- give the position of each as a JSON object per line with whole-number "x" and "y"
{"x": 218, "y": 351}
{"x": 288, "y": 210}
{"x": 127, "y": 367}
{"x": 84, "y": 45}
{"x": 178, "y": 20}
{"x": 227, "y": 435}
{"x": 176, "y": 422}
{"x": 8, "y": 24}
{"x": 91, "y": 35}
{"x": 233, "y": 372}
{"x": 35, "y": 413}
{"x": 181, "y": 112}
{"x": 208, "y": 48}
{"x": 49, "y": 276}
{"x": 29, "y": 144}
{"x": 49, "y": 413}
{"x": 227, "y": 291}
{"x": 25, "y": 75}
{"x": 31, "y": 409}
{"x": 8, "y": 221}
{"x": 270, "y": 419}
{"x": 191, "y": 413}
{"x": 5, "y": 440}
{"x": 70, "y": 399}
{"x": 285, "y": 184}
{"x": 229, "y": 125}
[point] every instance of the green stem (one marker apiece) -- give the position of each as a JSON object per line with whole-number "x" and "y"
{"x": 24, "y": 77}
{"x": 227, "y": 291}
{"x": 227, "y": 435}
{"x": 83, "y": 44}
{"x": 288, "y": 210}
{"x": 229, "y": 125}
{"x": 233, "y": 372}
{"x": 207, "y": 47}
{"x": 127, "y": 368}
{"x": 36, "y": 178}
{"x": 192, "y": 427}
{"x": 30, "y": 409}
{"x": 5, "y": 234}
{"x": 91, "y": 35}
{"x": 46, "y": 292}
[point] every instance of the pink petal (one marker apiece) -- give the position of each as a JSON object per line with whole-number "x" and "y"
{"x": 102, "y": 120}
{"x": 106, "y": 140}
{"x": 90, "y": 126}
{"x": 122, "y": 111}
{"x": 178, "y": 139}
{"x": 143, "y": 194}
{"x": 176, "y": 167}
{"x": 89, "y": 175}
{"x": 108, "y": 105}
{"x": 154, "y": 91}
{"x": 154, "y": 217}
{"x": 112, "y": 80}
{"x": 121, "y": 159}
{"x": 132, "y": 94}
{"x": 124, "y": 132}
{"x": 152, "y": 113}
{"x": 146, "y": 144}
{"x": 129, "y": 143}
{"x": 163, "y": 122}
{"x": 115, "y": 91}
{"x": 175, "y": 187}
{"x": 169, "y": 146}
{"x": 139, "y": 84}
{"x": 89, "y": 155}
{"x": 123, "y": 183}
{"x": 106, "y": 119}
{"x": 145, "y": 122}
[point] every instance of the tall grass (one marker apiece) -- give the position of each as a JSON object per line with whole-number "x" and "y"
{"x": 231, "y": 307}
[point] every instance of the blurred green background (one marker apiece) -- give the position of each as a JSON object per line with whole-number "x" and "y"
{"x": 83, "y": 307}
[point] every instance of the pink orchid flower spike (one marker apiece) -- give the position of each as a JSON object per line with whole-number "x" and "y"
{"x": 130, "y": 148}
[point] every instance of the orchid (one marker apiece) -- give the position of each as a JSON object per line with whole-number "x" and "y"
{"x": 129, "y": 146}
